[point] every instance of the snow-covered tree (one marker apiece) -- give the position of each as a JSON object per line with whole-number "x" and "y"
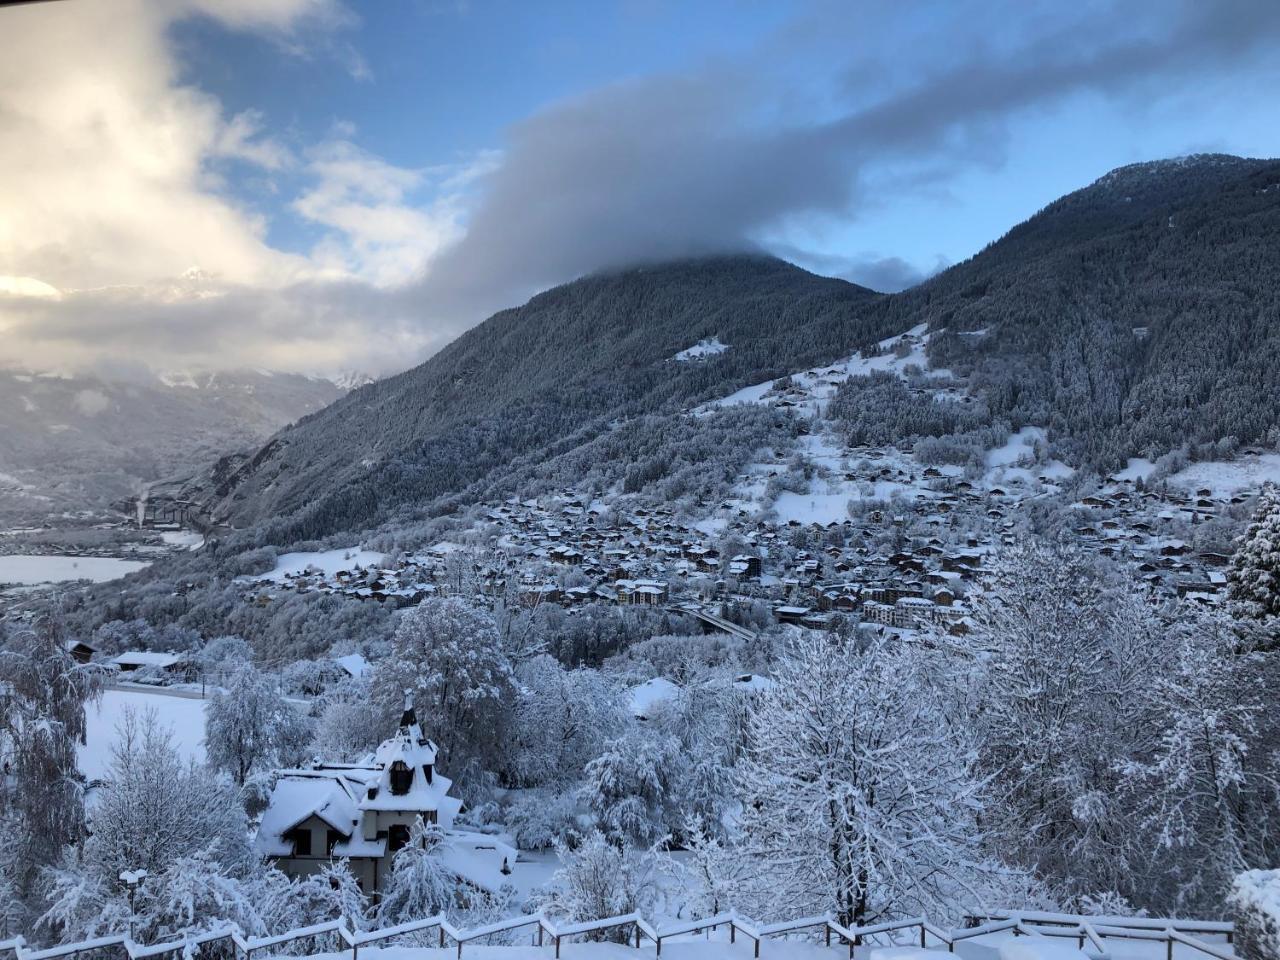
{"x": 330, "y": 893}
{"x": 712, "y": 874}
{"x": 1207, "y": 793}
{"x": 599, "y": 879}
{"x": 155, "y": 808}
{"x": 419, "y": 885}
{"x": 251, "y": 726}
{"x": 633, "y": 787}
{"x": 350, "y": 723}
{"x": 1254, "y": 574}
{"x": 1063, "y": 664}
{"x": 857, "y": 794}
{"x": 563, "y": 718}
{"x": 448, "y": 652}
{"x": 43, "y": 691}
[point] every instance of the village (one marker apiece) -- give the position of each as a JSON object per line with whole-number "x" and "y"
{"x": 902, "y": 564}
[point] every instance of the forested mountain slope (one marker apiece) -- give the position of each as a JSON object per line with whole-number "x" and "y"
{"x": 1131, "y": 317}
{"x": 562, "y": 366}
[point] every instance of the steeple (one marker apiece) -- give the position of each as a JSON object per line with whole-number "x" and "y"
{"x": 408, "y": 719}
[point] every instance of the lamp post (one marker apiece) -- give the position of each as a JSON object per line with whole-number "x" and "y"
{"x": 132, "y": 879}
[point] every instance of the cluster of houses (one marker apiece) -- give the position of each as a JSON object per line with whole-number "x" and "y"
{"x": 570, "y": 551}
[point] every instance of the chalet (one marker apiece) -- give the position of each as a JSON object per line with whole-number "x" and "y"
{"x": 80, "y": 651}
{"x": 364, "y": 814}
{"x": 745, "y": 566}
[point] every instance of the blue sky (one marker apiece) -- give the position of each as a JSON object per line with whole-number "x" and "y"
{"x": 324, "y": 185}
{"x": 432, "y": 83}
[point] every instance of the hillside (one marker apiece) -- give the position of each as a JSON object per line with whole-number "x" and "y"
{"x": 83, "y": 441}
{"x": 1128, "y": 318}
{"x": 1131, "y": 317}
{"x": 566, "y": 364}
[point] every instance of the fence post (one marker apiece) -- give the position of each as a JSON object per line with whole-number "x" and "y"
{"x": 922, "y": 936}
{"x": 539, "y": 934}
{"x": 1169, "y": 948}
{"x": 658, "y": 951}
{"x": 826, "y": 928}
{"x": 442, "y": 936}
{"x": 557, "y": 946}
{"x": 733, "y": 932}
{"x": 637, "y": 935}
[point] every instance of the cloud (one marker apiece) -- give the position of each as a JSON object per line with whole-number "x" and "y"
{"x": 113, "y": 169}
{"x": 726, "y": 155}
{"x": 889, "y": 274}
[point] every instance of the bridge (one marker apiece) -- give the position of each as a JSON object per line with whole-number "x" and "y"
{"x": 711, "y": 620}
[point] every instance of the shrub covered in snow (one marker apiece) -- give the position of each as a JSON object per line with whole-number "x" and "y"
{"x": 1255, "y": 907}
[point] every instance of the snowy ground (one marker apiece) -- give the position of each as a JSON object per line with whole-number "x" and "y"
{"x": 32, "y": 569}
{"x": 1224, "y": 479}
{"x": 183, "y": 538}
{"x": 702, "y": 349}
{"x": 183, "y": 716}
{"x": 819, "y": 384}
{"x": 327, "y": 561}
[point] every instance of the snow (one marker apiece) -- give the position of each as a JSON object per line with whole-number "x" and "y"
{"x": 647, "y": 695}
{"x": 183, "y": 538}
{"x": 1137, "y": 468}
{"x": 182, "y": 716}
{"x": 701, "y": 350}
{"x": 1040, "y": 948}
{"x": 819, "y": 384}
{"x": 354, "y": 664}
{"x": 1248, "y": 472}
{"x": 328, "y": 562}
{"x": 1019, "y": 446}
{"x": 32, "y": 569}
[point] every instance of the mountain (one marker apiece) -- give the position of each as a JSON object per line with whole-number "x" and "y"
{"x": 565, "y": 365}
{"x": 1128, "y": 318}
{"x": 73, "y": 441}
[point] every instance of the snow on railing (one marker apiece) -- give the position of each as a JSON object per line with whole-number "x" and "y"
{"x": 1091, "y": 930}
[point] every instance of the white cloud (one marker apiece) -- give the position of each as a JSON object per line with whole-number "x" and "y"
{"x": 116, "y": 240}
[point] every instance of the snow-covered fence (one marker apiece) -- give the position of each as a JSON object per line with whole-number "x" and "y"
{"x": 1095, "y": 929}
{"x": 1089, "y": 932}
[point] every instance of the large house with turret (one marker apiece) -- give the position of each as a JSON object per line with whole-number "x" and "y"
{"x": 364, "y": 814}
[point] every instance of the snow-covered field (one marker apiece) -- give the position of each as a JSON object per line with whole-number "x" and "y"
{"x": 1224, "y": 479}
{"x": 327, "y": 561}
{"x": 33, "y": 569}
{"x": 182, "y": 716}
{"x": 702, "y": 349}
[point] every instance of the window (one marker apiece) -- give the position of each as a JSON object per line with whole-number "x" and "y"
{"x": 401, "y": 778}
{"x": 397, "y": 837}
{"x": 301, "y": 840}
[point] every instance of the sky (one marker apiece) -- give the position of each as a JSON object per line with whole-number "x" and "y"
{"x": 328, "y": 186}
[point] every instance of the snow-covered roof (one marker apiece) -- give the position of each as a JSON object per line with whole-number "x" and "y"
{"x": 300, "y": 794}
{"x": 647, "y": 695}
{"x": 427, "y": 790}
{"x": 478, "y": 858}
{"x": 354, "y": 664}
{"x": 145, "y": 658}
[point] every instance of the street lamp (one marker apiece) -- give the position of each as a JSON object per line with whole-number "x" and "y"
{"x": 132, "y": 879}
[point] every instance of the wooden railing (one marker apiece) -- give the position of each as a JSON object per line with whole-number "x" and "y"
{"x": 1089, "y": 932}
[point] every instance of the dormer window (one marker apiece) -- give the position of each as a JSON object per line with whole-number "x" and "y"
{"x": 401, "y": 778}
{"x": 426, "y": 771}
